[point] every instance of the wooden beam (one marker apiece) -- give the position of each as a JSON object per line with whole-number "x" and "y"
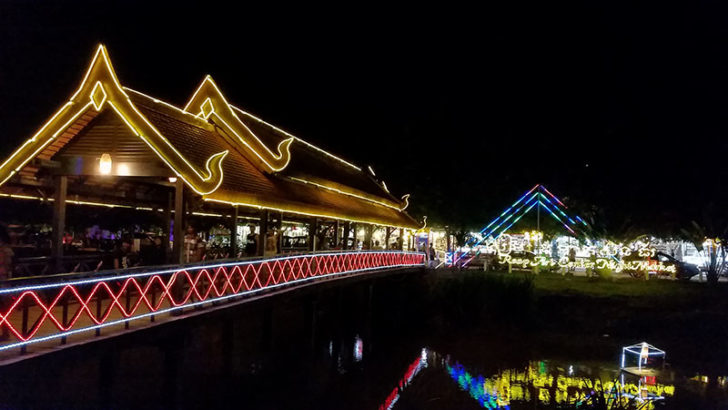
{"x": 368, "y": 234}
{"x": 347, "y": 231}
{"x": 313, "y": 227}
{"x": 279, "y": 226}
{"x": 167, "y": 227}
{"x": 234, "y": 233}
{"x": 264, "y": 216}
{"x": 45, "y": 163}
{"x": 179, "y": 213}
{"x": 337, "y": 234}
{"x": 59, "y": 220}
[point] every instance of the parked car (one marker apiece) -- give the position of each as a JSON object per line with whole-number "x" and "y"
{"x": 684, "y": 270}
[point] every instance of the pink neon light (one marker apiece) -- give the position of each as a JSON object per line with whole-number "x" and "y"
{"x": 554, "y": 197}
{"x": 203, "y": 283}
{"x": 403, "y": 383}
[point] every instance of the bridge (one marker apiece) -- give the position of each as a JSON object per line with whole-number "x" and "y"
{"x": 37, "y": 315}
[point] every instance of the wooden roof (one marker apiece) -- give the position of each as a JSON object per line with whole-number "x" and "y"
{"x": 224, "y": 154}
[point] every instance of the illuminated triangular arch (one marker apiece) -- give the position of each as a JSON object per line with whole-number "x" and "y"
{"x": 208, "y": 102}
{"x": 536, "y": 196}
{"x": 100, "y": 89}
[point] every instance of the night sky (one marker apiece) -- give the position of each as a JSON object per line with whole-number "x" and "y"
{"x": 621, "y": 106}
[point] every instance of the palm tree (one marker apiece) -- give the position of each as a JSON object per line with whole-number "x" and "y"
{"x": 709, "y": 238}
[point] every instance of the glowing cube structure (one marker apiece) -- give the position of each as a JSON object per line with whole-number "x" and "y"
{"x": 642, "y": 358}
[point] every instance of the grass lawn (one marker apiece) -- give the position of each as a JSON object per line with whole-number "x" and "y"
{"x": 551, "y": 283}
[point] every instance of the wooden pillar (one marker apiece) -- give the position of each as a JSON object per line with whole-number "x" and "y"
{"x": 337, "y": 234}
{"x": 234, "y": 234}
{"x": 168, "y": 228}
{"x": 313, "y": 227}
{"x": 387, "y": 234}
{"x": 347, "y": 231}
{"x": 368, "y": 234}
{"x": 279, "y": 228}
{"x": 354, "y": 241}
{"x": 59, "y": 221}
{"x": 263, "y": 225}
{"x": 179, "y": 231}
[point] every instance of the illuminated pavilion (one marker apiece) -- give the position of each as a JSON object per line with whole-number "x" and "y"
{"x": 113, "y": 146}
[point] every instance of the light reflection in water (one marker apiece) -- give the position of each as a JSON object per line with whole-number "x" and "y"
{"x": 358, "y": 349}
{"x": 412, "y": 371}
{"x": 540, "y": 382}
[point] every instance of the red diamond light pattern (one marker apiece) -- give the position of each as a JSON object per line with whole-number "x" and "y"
{"x": 145, "y": 293}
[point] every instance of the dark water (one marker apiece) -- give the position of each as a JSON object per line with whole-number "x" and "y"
{"x": 367, "y": 345}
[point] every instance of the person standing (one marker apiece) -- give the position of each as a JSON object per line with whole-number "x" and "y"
{"x": 191, "y": 245}
{"x": 572, "y": 260}
{"x": 123, "y": 256}
{"x": 271, "y": 244}
{"x": 251, "y": 246}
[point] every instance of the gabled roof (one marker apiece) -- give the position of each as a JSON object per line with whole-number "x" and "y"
{"x": 220, "y": 151}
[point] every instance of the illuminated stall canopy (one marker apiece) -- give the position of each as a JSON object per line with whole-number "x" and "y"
{"x": 224, "y": 155}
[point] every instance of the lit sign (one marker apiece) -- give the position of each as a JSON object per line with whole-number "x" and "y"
{"x": 599, "y": 263}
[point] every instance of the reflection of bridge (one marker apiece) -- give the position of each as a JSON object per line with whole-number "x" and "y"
{"x": 40, "y": 313}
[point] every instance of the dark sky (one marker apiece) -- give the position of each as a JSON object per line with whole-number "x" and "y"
{"x": 618, "y": 105}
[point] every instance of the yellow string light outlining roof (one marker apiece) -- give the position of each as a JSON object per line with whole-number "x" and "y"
{"x": 405, "y": 202}
{"x": 338, "y": 189}
{"x": 99, "y": 89}
{"x": 208, "y": 102}
{"x": 288, "y": 134}
{"x": 200, "y": 144}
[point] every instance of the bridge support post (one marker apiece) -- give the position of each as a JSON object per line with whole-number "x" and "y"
{"x": 309, "y": 320}
{"x": 171, "y": 349}
{"x": 228, "y": 339}
{"x": 267, "y": 331}
{"x": 109, "y": 363}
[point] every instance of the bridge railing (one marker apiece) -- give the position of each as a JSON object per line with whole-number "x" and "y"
{"x": 58, "y": 308}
